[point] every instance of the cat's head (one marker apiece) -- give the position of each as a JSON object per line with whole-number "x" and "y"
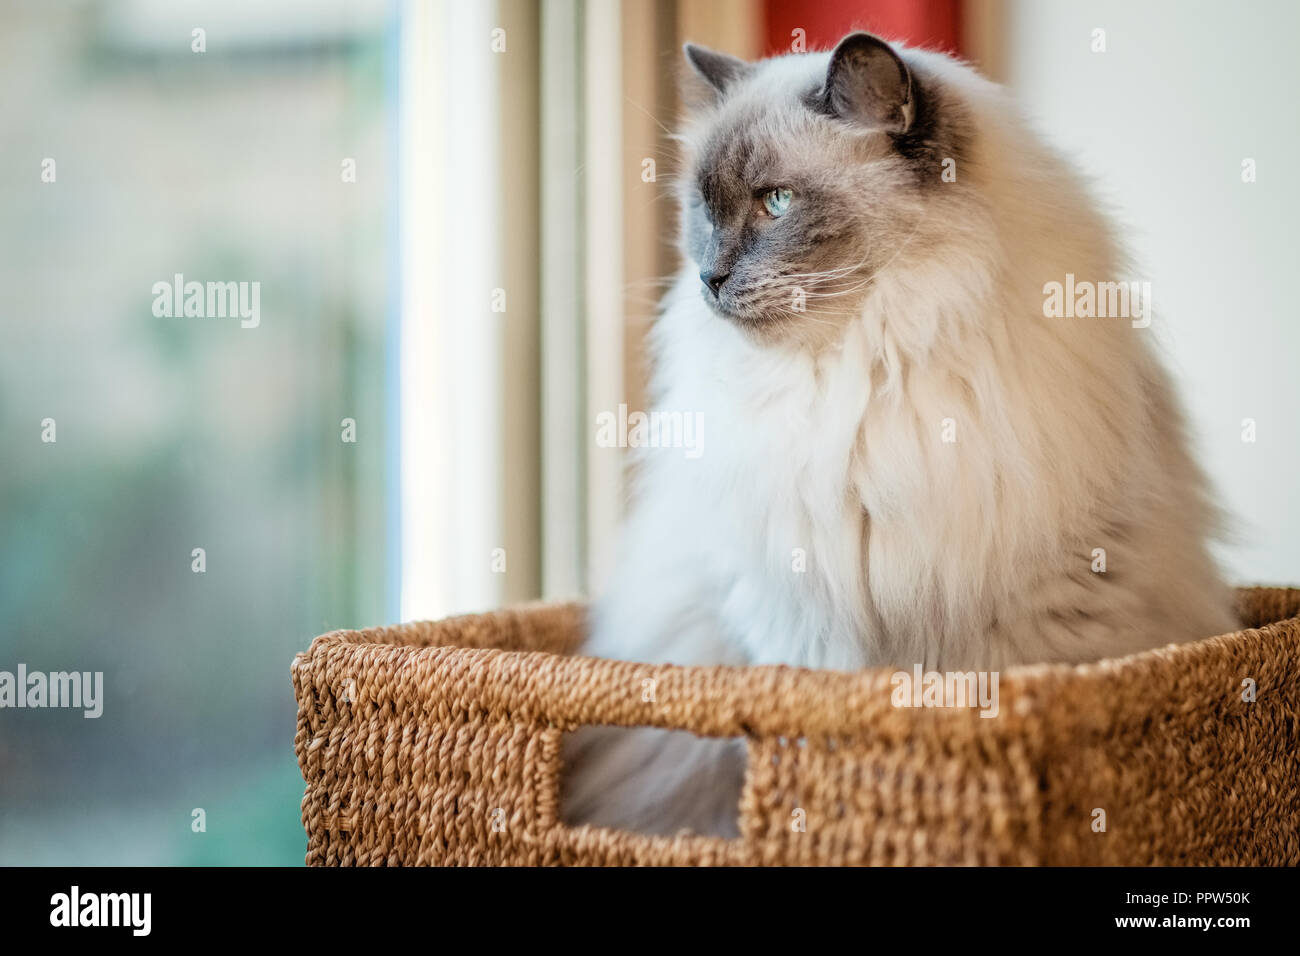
{"x": 807, "y": 174}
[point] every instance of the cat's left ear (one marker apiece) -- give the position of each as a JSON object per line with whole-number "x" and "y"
{"x": 867, "y": 83}
{"x": 719, "y": 70}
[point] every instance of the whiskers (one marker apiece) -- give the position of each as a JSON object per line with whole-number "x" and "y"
{"x": 818, "y": 298}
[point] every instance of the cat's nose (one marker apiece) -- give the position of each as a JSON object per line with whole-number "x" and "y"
{"x": 713, "y": 280}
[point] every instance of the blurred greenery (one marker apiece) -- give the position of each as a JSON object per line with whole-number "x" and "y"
{"x": 178, "y": 433}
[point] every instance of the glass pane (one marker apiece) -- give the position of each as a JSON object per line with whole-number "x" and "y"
{"x": 137, "y": 433}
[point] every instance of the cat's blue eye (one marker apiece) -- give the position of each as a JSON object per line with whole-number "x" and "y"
{"x": 777, "y": 201}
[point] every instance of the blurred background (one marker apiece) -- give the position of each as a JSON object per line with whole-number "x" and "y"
{"x": 458, "y": 213}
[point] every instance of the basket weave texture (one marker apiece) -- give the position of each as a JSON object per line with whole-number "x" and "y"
{"x": 440, "y": 743}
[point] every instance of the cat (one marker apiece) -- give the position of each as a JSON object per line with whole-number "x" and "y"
{"x": 908, "y": 458}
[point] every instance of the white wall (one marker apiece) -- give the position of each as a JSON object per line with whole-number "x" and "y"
{"x": 1163, "y": 119}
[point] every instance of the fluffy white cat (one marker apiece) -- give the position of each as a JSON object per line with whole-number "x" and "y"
{"x": 908, "y": 457}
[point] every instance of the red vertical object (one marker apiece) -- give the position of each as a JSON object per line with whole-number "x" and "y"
{"x": 935, "y": 24}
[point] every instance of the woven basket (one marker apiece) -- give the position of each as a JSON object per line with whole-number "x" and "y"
{"x": 439, "y": 743}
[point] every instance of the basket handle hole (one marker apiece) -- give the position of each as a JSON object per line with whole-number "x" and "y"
{"x": 652, "y": 781}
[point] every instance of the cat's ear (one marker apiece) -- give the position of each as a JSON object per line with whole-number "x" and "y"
{"x": 867, "y": 83}
{"x": 718, "y": 70}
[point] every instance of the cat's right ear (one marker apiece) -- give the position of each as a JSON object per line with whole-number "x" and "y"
{"x": 719, "y": 71}
{"x": 867, "y": 83}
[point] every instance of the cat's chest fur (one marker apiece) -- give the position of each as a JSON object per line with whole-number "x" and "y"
{"x": 774, "y": 502}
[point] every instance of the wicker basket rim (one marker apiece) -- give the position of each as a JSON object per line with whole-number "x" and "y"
{"x": 729, "y": 701}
